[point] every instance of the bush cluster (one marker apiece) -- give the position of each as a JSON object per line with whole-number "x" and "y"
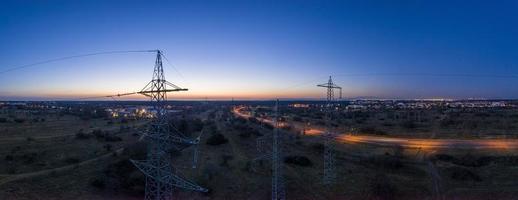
{"x": 298, "y": 160}
{"x": 217, "y": 139}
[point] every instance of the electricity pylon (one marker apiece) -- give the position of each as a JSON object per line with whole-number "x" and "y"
{"x": 278, "y": 191}
{"x": 160, "y": 174}
{"x": 329, "y": 157}
{"x": 276, "y": 156}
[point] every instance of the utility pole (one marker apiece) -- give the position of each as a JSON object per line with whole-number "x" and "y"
{"x": 329, "y": 154}
{"x": 278, "y": 191}
{"x": 276, "y": 156}
{"x": 162, "y": 138}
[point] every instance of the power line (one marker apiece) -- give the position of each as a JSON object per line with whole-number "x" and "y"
{"x": 72, "y": 57}
{"x": 174, "y": 68}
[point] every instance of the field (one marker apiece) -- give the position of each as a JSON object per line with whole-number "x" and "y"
{"x": 65, "y": 156}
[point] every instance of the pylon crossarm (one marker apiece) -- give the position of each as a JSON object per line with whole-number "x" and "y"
{"x": 181, "y": 140}
{"x": 147, "y": 95}
{"x": 168, "y": 178}
{"x": 142, "y": 134}
{"x": 174, "y": 131}
{"x": 173, "y": 85}
{"x": 120, "y": 95}
{"x": 160, "y": 91}
{"x": 329, "y": 86}
{"x": 147, "y": 86}
{"x": 183, "y": 183}
{"x": 143, "y": 166}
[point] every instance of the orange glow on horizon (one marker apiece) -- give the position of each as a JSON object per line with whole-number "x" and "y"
{"x": 171, "y": 96}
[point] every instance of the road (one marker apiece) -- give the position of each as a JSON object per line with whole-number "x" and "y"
{"x": 407, "y": 142}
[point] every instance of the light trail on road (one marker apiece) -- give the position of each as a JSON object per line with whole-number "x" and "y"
{"x": 425, "y": 144}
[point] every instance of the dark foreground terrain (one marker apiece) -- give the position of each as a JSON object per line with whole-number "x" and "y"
{"x": 56, "y": 155}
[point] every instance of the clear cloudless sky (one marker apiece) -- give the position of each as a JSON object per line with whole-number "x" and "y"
{"x": 262, "y": 49}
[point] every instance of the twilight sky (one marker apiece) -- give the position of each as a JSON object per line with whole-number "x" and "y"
{"x": 262, "y": 49}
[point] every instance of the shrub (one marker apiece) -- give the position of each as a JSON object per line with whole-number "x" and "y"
{"x": 81, "y": 135}
{"x": 381, "y": 187}
{"x": 108, "y": 147}
{"x": 124, "y": 129}
{"x": 71, "y": 160}
{"x": 137, "y": 151}
{"x": 318, "y": 147}
{"x": 462, "y": 174}
{"x": 409, "y": 124}
{"x": 29, "y": 158}
{"x": 112, "y": 138}
{"x": 387, "y": 124}
{"x": 98, "y": 133}
{"x": 19, "y": 120}
{"x": 256, "y": 132}
{"x": 268, "y": 126}
{"x": 127, "y": 175}
{"x": 386, "y": 161}
{"x": 196, "y": 125}
{"x": 445, "y": 157}
{"x": 298, "y": 160}
{"x": 246, "y": 131}
{"x": 471, "y": 161}
{"x": 297, "y": 119}
{"x": 98, "y": 183}
{"x": 209, "y": 171}
{"x": 467, "y": 160}
{"x": 245, "y": 134}
{"x": 447, "y": 123}
{"x": 9, "y": 158}
{"x": 11, "y": 170}
{"x": 225, "y": 159}
{"x": 371, "y": 130}
{"x": 217, "y": 139}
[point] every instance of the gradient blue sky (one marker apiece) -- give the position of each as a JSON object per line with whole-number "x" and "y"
{"x": 262, "y": 49}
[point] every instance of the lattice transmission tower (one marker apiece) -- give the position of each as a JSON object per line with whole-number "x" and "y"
{"x": 329, "y": 152}
{"x": 162, "y": 138}
{"x": 275, "y": 155}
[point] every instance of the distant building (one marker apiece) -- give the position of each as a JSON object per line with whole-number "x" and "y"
{"x": 299, "y": 105}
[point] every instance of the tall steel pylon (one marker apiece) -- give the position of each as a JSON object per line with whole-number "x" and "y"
{"x": 278, "y": 190}
{"x": 276, "y": 156}
{"x": 329, "y": 154}
{"x": 162, "y": 138}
